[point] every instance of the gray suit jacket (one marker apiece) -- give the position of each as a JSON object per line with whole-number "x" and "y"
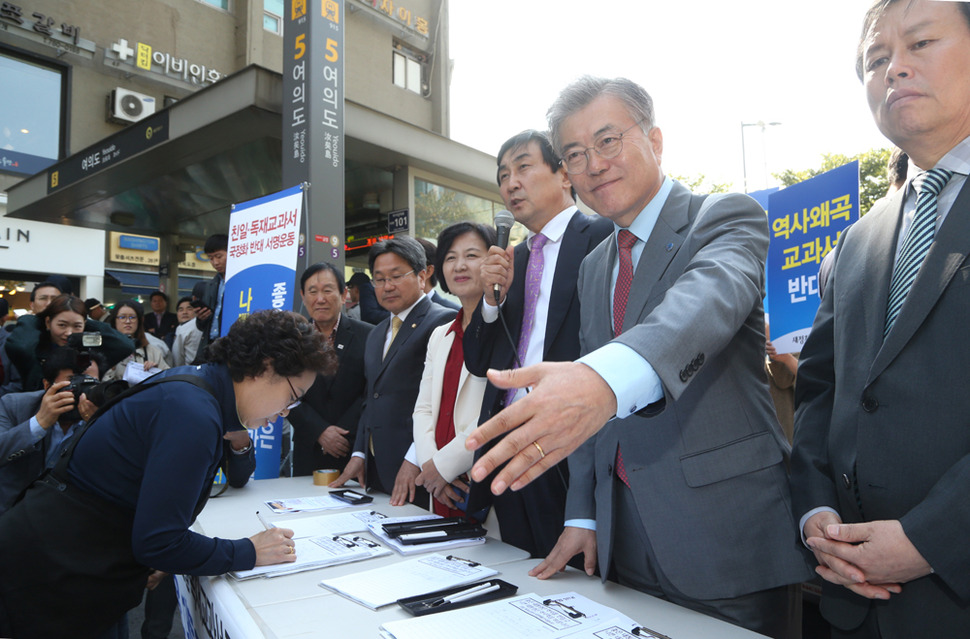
{"x": 21, "y": 459}
{"x": 881, "y": 427}
{"x": 393, "y": 382}
{"x": 706, "y": 464}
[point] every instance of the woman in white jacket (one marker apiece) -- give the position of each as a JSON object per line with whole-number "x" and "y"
{"x": 450, "y": 399}
{"x": 129, "y": 319}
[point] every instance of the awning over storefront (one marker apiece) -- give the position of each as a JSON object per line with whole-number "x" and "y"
{"x": 177, "y": 172}
{"x": 141, "y": 283}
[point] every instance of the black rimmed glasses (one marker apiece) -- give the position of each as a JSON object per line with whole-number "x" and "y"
{"x": 576, "y": 159}
{"x": 299, "y": 398}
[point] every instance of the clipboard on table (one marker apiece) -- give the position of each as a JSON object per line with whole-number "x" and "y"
{"x": 428, "y": 531}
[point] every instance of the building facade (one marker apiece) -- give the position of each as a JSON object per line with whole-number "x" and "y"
{"x": 128, "y": 129}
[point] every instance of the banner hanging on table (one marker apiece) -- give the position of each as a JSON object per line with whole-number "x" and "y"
{"x": 805, "y": 222}
{"x": 210, "y": 609}
{"x": 261, "y": 274}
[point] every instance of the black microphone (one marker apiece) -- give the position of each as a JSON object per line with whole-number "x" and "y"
{"x": 503, "y": 221}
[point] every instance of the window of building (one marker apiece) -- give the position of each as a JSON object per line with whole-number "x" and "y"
{"x": 408, "y": 68}
{"x": 219, "y": 4}
{"x": 32, "y": 118}
{"x": 436, "y": 207}
{"x": 273, "y": 16}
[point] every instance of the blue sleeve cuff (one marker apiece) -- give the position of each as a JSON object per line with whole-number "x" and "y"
{"x": 809, "y": 515}
{"x": 588, "y": 524}
{"x": 36, "y": 430}
{"x": 632, "y": 379}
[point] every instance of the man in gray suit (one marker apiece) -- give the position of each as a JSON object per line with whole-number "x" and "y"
{"x": 687, "y": 488}
{"x": 33, "y": 425}
{"x": 881, "y": 465}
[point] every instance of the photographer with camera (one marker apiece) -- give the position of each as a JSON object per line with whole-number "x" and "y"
{"x": 34, "y": 425}
{"x": 34, "y": 338}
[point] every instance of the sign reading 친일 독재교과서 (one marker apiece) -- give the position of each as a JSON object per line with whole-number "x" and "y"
{"x": 261, "y": 274}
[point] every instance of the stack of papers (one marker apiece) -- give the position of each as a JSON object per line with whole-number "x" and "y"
{"x": 331, "y": 524}
{"x": 566, "y": 615}
{"x": 405, "y": 549}
{"x": 382, "y": 586}
{"x": 319, "y": 552}
{"x": 303, "y": 504}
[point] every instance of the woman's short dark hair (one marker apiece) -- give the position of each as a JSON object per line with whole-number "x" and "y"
{"x": 448, "y": 236}
{"x": 62, "y": 304}
{"x": 313, "y": 269}
{"x": 280, "y": 341}
{"x": 139, "y": 335}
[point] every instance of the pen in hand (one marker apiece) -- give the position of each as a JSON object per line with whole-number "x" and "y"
{"x": 262, "y": 520}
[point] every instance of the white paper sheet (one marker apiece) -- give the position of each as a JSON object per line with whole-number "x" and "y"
{"x": 382, "y": 586}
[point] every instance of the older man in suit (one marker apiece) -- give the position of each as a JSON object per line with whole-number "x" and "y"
{"x": 687, "y": 488}
{"x": 881, "y": 466}
{"x": 325, "y": 423}
{"x": 540, "y": 305}
{"x": 393, "y": 364}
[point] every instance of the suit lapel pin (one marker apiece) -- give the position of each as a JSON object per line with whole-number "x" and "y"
{"x": 340, "y": 345}
{"x": 414, "y": 325}
{"x": 670, "y": 246}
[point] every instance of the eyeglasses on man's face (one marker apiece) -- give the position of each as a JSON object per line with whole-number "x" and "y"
{"x": 394, "y": 279}
{"x": 576, "y": 159}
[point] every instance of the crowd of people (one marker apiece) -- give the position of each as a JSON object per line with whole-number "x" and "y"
{"x": 602, "y": 385}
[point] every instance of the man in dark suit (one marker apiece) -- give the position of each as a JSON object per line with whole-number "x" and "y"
{"x": 325, "y": 423}
{"x": 537, "y": 191}
{"x": 881, "y": 463}
{"x": 687, "y": 486}
{"x": 208, "y": 318}
{"x": 34, "y": 424}
{"x": 161, "y": 322}
{"x": 393, "y": 364}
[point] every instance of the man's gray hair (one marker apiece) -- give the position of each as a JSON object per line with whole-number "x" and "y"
{"x": 580, "y": 93}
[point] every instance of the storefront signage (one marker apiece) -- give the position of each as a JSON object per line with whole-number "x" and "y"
{"x": 143, "y": 57}
{"x": 399, "y": 14}
{"x": 133, "y": 249}
{"x": 45, "y": 29}
{"x": 136, "y": 138}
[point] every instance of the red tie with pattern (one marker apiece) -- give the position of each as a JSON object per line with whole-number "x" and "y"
{"x": 624, "y": 279}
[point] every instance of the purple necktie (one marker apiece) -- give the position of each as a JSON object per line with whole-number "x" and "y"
{"x": 533, "y": 281}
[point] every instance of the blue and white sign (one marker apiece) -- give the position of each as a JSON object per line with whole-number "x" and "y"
{"x": 261, "y": 274}
{"x": 805, "y": 221}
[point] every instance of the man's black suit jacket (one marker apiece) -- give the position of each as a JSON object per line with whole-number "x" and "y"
{"x": 486, "y": 346}
{"x": 392, "y": 387}
{"x": 331, "y": 401}
{"x": 170, "y": 322}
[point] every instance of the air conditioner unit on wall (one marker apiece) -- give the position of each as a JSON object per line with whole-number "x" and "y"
{"x": 129, "y": 106}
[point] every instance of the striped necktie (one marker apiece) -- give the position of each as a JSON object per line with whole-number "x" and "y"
{"x": 918, "y": 240}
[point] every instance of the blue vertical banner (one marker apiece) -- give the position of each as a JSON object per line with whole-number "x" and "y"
{"x": 260, "y": 274}
{"x": 805, "y": 221}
